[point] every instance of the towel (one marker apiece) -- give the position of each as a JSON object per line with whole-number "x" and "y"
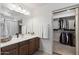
{"x": 5, "y": 30}
{"x": 45, "y": 31}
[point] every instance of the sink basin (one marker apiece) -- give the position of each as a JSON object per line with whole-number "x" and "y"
{"x": 3, "y": 40}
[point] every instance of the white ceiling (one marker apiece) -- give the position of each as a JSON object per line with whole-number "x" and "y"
{"x": 54, "y": 6}
{"x": 35, "y": 7}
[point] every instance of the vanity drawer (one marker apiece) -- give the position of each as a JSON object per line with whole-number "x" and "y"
{"x": 23, "y": 43}
{"x": 10, "y": 47}
{"x": 10, "y": 50}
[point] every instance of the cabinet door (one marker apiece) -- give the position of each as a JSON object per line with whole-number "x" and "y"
{"x": 31, "y": 46}
{"x": 23, "y": 49}
{"x": 37, "y": 44}
{"x": 10, "y": 50}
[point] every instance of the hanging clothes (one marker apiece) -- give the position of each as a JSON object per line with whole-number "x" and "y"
{"x": 66, "y": 38}
{"x": 63, "y": 38}
{"x": 70, "y": 39}
{"x": 60, "y": 23}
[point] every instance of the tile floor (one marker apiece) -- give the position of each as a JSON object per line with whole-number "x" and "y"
{"x": 64, "y": 49}
{"x": 43, "y": 53}
{"x": 59, "y": 49}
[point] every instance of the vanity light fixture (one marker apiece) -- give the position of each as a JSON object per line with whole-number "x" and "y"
{"x": 17, "y": 8}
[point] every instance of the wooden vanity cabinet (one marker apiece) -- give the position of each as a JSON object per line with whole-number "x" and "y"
{"x": 23, "y": 48}
{"x": 31, "y": 46}
{"x": 27, "y": 47}
{"x": 37, "y": 43}
{"x": 10, "y": 50}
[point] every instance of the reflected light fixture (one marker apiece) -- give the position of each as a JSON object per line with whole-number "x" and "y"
{"x": 18, "y": 9}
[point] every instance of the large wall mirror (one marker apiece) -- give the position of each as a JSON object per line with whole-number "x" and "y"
{"x": 8, "y": 27}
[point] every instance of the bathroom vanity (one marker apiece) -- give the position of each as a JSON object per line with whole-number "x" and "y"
{"x": 21, "y": 46}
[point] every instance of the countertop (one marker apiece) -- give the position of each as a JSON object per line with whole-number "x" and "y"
{"x": 17, "y": 40}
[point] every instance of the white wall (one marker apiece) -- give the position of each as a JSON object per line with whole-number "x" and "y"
{"x": 45, "y": 18}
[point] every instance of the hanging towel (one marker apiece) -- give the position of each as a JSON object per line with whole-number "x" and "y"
{"x": 6, "y": 30}
{"x": 45, "y": 31}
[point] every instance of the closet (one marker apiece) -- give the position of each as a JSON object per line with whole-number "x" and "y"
{"x": 65, "y": 31}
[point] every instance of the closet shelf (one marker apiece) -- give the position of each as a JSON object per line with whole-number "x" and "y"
{"x": 64, "y": 29}
{"x": 57, "y": 18}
